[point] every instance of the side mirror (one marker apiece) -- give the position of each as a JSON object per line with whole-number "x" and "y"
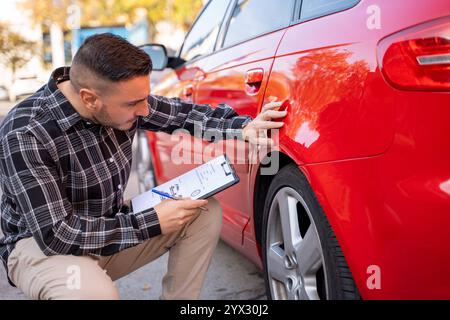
{"x": 158, "y": 54}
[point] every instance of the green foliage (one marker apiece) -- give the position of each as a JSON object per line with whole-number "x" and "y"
{"x": 15, "y": 50}
{"x": 112, "y": 12}
{"x": 184, "y": 12}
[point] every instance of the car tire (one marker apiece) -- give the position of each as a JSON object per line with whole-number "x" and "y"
{"x": 301, "y": 255}
{"x": 144, "y": 163}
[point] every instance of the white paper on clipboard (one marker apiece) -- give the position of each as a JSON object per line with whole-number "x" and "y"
{"x": 199, "y": 183}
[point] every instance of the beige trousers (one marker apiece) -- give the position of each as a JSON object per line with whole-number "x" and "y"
{"x": 88, "y": 277}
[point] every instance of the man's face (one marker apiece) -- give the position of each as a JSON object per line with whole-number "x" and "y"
{"x": 122, "y": 103}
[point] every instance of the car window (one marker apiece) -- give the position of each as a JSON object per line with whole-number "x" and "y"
{"x": 202, "y": 37}
{"x": 317, "y": 8}
{"x": 251, "y": 18}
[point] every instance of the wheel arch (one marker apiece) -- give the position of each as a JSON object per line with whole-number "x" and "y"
{"x": 261, "y": 192}
{"x": 262, "y": 183}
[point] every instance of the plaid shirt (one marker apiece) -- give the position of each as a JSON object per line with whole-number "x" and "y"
{"x": 63, "y": 177}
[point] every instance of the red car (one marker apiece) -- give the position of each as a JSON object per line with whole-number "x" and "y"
{"x": 355, "y": 200}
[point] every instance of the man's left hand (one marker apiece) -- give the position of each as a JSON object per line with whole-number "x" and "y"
{"x": 255, "y": 131}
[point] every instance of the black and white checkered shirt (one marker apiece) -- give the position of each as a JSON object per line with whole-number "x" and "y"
{"x": 63, "y": 177}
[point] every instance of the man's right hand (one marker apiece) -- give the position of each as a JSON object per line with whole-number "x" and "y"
{"x": 174, "y": 214}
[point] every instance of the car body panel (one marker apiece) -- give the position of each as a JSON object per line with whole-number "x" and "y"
{"x": 393, "y": 211}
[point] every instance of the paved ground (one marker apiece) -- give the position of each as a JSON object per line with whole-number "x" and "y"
{"x": 231, "y": 276}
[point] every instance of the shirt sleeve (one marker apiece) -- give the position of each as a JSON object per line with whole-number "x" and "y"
{"x": 31, "y": 177}
{"x": 169, "y": 114}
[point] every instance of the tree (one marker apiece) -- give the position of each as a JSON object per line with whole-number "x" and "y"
{"x": 52, "y": 16}
{"x": 46, "y": 12}
{"x": 15, "y": 50}
{"x": 184, "y": 12}
{"x": 179, "y": 12}
{"x": 111, "y": 12}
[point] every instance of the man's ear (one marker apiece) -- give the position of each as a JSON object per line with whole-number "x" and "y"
{"x": 89, "y": 99}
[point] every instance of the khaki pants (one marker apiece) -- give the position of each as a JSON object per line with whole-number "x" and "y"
{"x": 88, "y": 277}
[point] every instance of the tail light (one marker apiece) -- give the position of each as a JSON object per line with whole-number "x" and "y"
{"x": 418, "y": 58}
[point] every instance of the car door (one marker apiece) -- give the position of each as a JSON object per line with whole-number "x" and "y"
{"x": 237, "y": 74}
{"x": 171, "y": 150}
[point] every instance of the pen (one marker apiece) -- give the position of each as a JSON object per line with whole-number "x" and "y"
{"x": 163, "y": 194}
{"x": 166, "y": 195}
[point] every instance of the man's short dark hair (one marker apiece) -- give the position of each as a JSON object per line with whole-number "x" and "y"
{"x": 109, "y": 57}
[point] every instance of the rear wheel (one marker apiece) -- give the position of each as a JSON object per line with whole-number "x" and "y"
{"x": 301, "y": 255}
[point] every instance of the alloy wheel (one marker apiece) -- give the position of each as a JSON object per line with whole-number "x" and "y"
{"x": 295, "y": 262}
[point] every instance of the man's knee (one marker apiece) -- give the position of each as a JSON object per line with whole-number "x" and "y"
{"x": 72, "y": 278}
{"x": 87, "y": 281}
{"x": 213, "y": 217}
{"x": 99, "y": 291}
{"x": 207, "y": 224}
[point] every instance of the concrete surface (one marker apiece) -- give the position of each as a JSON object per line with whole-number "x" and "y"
{"x": 231, "y": 276}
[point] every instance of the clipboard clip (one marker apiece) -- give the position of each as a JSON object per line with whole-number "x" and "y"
{"x": 227, "y": 173}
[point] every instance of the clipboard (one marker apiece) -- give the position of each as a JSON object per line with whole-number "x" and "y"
{"x": 201, "y": 182}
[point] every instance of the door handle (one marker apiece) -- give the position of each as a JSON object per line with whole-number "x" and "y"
{"x": 253, "y": 80}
